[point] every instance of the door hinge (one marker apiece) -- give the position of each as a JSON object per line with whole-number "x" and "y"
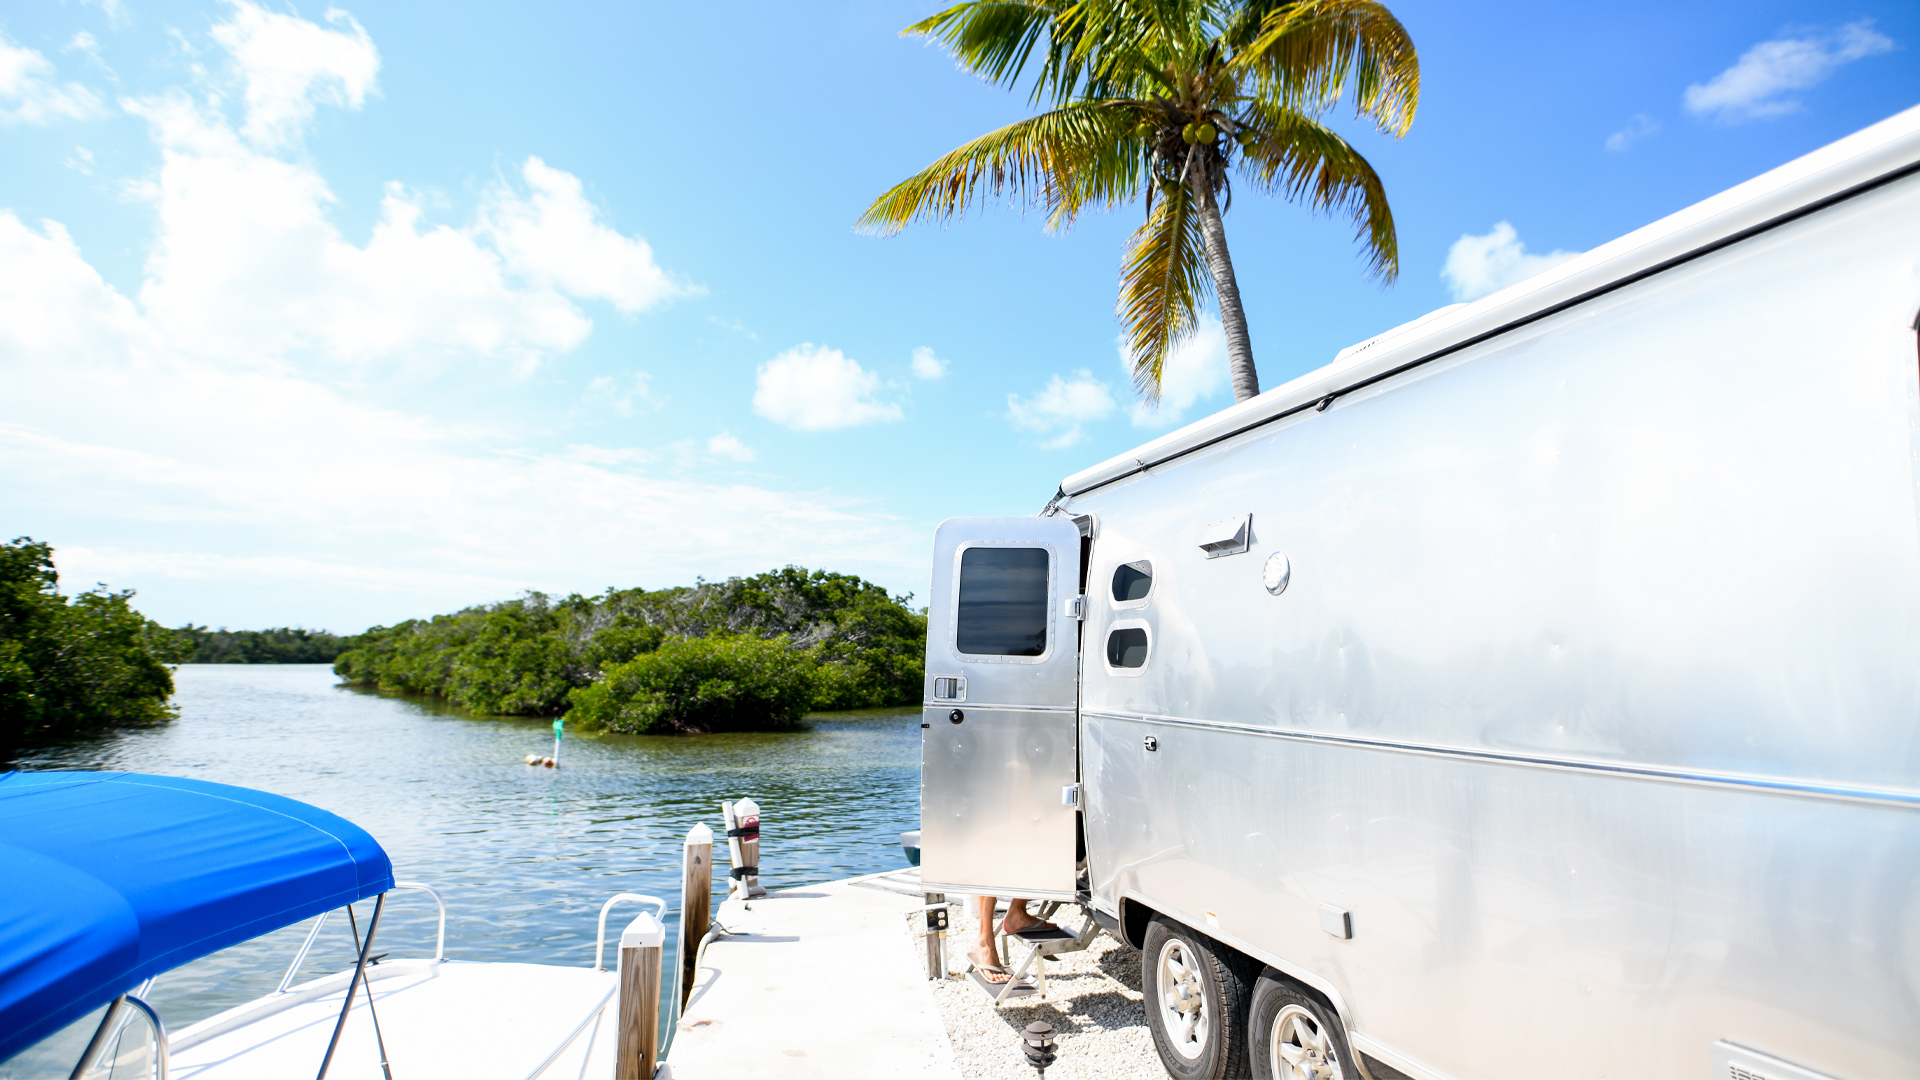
{"x": 1077, "y": 607}
{"x": 1070, "y": 795}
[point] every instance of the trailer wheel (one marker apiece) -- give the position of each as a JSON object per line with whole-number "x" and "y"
{"x": 1196, "y": 994}
{"x": 1295, "y": 1037}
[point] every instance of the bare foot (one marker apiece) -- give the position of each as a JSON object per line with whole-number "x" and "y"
{"x": 1009, "y": 925}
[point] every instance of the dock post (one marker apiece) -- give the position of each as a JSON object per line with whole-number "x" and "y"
{"x": 743, "y": 844}
{"x": 637, "y": 1050}
{"x": 696, "y": 903}
{"x": 936, "y": 941}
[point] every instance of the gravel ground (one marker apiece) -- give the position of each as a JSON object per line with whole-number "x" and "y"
{"x": 1093, "y": 1002}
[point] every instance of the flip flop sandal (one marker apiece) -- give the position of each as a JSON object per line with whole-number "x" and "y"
{"x": 988, "y": 971}
{"x": 1041, "y": 925}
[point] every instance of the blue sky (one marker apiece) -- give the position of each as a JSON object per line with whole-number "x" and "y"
{"x": 333, "y": 317}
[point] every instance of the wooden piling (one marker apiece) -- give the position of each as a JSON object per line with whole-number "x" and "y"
{"x": 696, "y": 903}
{"x": 637, "y": 1050}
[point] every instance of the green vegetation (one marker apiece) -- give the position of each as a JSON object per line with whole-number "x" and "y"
{"x": 1165, "y": 98}
{"x": 747, "y": 653}
{"x": 75, "y": 665}
{"x": 280, "y": 645}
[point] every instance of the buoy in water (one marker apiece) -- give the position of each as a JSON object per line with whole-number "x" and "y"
{"x": 533, "y": 759}
{"x": 548, "y": 762}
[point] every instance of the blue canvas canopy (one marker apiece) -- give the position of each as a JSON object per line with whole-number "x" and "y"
{"x": 109, "y": 878}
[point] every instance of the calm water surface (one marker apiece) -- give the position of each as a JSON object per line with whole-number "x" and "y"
{"x": 524, "y": 857}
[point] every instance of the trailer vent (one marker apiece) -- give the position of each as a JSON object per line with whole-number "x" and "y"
{"x": 1228, "y": 536}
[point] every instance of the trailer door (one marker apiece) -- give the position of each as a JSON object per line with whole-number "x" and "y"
{"x": 999, "y": 753}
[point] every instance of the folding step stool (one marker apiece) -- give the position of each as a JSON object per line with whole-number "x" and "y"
{"x": 1038, "y": 943}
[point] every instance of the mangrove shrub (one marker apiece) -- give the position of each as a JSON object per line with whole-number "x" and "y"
{"x": 720, "y": 683}
{"x": 74, "y": 665}
{"x": 848, "y": 641}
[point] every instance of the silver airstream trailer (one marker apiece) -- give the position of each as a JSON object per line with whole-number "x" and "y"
{"x": 1533, "y": 691}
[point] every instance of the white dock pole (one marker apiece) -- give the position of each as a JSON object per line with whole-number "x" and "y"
{"x": 743, "y": 845}
{"x": 696, "y": 902}
{"x": 637, "y": 1051}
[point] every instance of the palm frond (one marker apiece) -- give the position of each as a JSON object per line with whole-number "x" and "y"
{"x": 1301, "y": 158}
{"x": 1162, "y": 280}
{"x": 1063, "y": 159}
{"x": 1311, "y": 53}
{"x": 996, "y": 39}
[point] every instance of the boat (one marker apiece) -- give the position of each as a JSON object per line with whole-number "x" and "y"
{"x": 115, "y": 879}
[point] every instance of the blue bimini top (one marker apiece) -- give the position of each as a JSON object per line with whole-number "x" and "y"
{"x": 107, "y": 879}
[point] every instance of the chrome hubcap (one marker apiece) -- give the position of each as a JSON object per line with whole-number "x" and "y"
{"x": 1183, "y": 1000}
{"x": 1301, "y": 1049}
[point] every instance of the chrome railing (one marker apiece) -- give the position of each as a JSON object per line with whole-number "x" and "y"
{"x": 600, "y": 939}
{"x": 439, "y": 943}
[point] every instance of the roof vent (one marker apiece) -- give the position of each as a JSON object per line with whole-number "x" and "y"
{"x": 1228, "y": 536}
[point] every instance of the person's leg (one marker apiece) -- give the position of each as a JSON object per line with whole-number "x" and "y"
{"x": 985, "y": 954}
{"x": 1018, "y": 919}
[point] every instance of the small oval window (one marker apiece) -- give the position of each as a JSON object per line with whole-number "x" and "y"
{"x": 1132, "y": 581}
{"x": 1127, "y": 647}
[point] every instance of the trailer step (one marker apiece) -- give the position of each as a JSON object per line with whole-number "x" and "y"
{"x": 1000, "y": 992}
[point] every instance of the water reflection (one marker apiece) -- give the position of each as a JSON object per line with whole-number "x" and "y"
{"x": 523, "y": 856}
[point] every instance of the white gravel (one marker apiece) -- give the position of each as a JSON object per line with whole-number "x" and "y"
{"x": 1093, "y": 1003}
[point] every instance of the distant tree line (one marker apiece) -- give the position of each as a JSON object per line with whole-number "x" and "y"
{"x": 745, "y": 654}
{"x": 70, "y": 665}
{"x": 280, "y": 645}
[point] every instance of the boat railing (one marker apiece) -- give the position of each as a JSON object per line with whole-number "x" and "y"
{"x": 159, "y": 1035}
{"x": 440, "y": 940}
{"x": 439, "y": 944}
{"x": 600, "y": 938}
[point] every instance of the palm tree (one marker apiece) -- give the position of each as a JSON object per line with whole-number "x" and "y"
{"x": 1169, "y": 97}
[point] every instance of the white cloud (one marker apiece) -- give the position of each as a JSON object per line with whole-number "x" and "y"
{"x": 204, "y": 407}
{"x": 1640, "y": 127}
{"x": 1195, "y": 369}
{"x": 28, "y": 94}
{"x": 928, "y": 366}
{"x": 1758, "y": 84}
{"x": 726, "y": 446}
{"x": 328, "y": 495}
{"x": 1478, "y": 265}
{"x": 622, "y": 394}
{"x": 553, "y": 237}
{"x": 114, "y": 10}
{"x": 290, "y": 66}
{"x": 1062, "y": 407}
{"x": 813, "y": 388}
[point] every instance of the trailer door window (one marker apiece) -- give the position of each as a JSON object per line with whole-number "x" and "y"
{"x": 1003, "y": 602}
{"x": 1132, "y": 581}
{"x": 1127, "y": 647}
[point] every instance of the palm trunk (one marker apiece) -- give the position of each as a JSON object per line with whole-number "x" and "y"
{"x": 1246, "y": 381}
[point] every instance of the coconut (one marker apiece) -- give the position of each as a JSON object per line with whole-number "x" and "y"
{"x": 1205, "y": 133}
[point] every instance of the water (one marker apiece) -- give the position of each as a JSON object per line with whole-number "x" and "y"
{"x": 524, "y": 857}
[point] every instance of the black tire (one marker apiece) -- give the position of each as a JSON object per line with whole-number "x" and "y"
{"x": 1201, "y": 1034}
{"x": 1315, "y": 1042}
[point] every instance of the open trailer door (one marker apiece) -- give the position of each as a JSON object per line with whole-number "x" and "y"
{"x": 999, "y": 755}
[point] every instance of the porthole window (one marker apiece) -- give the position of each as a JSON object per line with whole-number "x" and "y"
{"x": 1127, "y": 647}
{"x": 1132, "y": 581}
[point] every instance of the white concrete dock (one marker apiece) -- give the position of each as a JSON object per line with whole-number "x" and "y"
{"x": 815, "y": 982}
